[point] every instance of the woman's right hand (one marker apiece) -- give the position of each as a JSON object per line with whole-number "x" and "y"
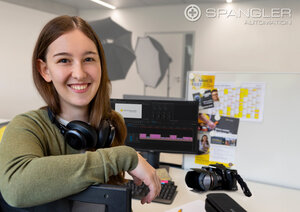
{"x": 145, "y": 173}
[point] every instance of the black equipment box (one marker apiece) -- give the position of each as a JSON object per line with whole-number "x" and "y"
{"x": 221, "y": 202}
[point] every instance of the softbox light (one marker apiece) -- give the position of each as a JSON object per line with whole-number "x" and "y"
{"x": 152, "y": 61}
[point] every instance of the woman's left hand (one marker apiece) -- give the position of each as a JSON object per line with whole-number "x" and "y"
{"x": 145, "y": 173}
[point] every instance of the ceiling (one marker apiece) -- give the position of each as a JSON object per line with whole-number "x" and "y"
{"x": 87, "y": 4}
{"x": 72, "y": 7}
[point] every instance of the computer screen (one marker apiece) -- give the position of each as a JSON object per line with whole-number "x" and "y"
{"x": 158, "y": 126}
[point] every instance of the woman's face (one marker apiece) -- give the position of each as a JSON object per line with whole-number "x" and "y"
{"x": 214, "y": 95}
{"x": 73, "y": 65}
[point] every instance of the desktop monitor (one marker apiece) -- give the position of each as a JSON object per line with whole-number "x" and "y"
{"x": 155, "y": 126}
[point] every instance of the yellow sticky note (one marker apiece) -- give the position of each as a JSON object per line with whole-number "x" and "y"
{"x": 228, "y": 165}
{"x": 202, "y": 159}
{"x": 208, "y": 81}
{"x": 1, "y": 132}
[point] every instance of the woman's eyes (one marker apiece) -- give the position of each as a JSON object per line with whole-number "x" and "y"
{"x": 89, "y": 59}
{"x": 64, "y": 60}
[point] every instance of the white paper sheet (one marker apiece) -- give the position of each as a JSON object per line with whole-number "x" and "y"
{"x": 194, "y": 206}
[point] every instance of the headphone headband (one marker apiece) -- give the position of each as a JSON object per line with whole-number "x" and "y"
{"x": 52, "y": 118}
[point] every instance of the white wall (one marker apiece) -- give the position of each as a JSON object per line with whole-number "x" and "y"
{"x": 20, "y": 27}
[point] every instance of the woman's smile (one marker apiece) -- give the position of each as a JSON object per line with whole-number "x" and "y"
{"x": 79, "y": 88}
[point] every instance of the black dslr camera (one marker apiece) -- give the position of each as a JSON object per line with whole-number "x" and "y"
{"x": 215, "y": 177}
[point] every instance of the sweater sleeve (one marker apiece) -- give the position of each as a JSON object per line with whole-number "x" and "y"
{"x": 30, "y": 177}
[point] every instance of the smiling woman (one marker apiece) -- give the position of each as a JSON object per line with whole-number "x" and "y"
{"x": 60, "y": 146}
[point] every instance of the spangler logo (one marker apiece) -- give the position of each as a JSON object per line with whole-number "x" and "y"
{"x": 251, "y": 16}
{"x": 248, "y": 13}
{"x": 192, "y": 12}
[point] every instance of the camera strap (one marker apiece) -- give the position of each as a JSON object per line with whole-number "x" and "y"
{"x": 243, "y": 185}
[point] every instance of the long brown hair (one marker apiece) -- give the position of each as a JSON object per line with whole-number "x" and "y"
{"x": 99, "y": 107}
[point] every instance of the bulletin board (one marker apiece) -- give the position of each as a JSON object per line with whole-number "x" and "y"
{"x": 268, "y": 150}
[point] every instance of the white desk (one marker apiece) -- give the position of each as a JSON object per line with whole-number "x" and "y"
{"x": 264, "y": 198}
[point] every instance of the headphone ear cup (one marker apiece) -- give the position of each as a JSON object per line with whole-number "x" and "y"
{"x": 106, "y": 135}
{"x": 75, "y": 139}
{"x": 80, "y": 135}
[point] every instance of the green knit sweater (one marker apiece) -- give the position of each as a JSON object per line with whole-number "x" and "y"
{"x": 37, "y": 166}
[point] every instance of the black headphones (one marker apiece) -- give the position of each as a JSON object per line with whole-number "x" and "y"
{"x": 80, "y": 135}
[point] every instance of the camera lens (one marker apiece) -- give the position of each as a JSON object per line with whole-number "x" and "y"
{"x": 203, "y": 180}
{"x": 192, "y": 180}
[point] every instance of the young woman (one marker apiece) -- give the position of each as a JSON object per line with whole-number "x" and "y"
{"x": 37, "y": 165}
{"x": 204, "y": 144}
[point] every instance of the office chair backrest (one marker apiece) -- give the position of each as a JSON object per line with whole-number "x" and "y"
{"x": 108, "y": 198}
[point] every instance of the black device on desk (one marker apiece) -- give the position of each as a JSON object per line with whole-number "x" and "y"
{"x": 221, "y": 202}
{"x": 216, "y": 177}
{"x": 155, "y": 126}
